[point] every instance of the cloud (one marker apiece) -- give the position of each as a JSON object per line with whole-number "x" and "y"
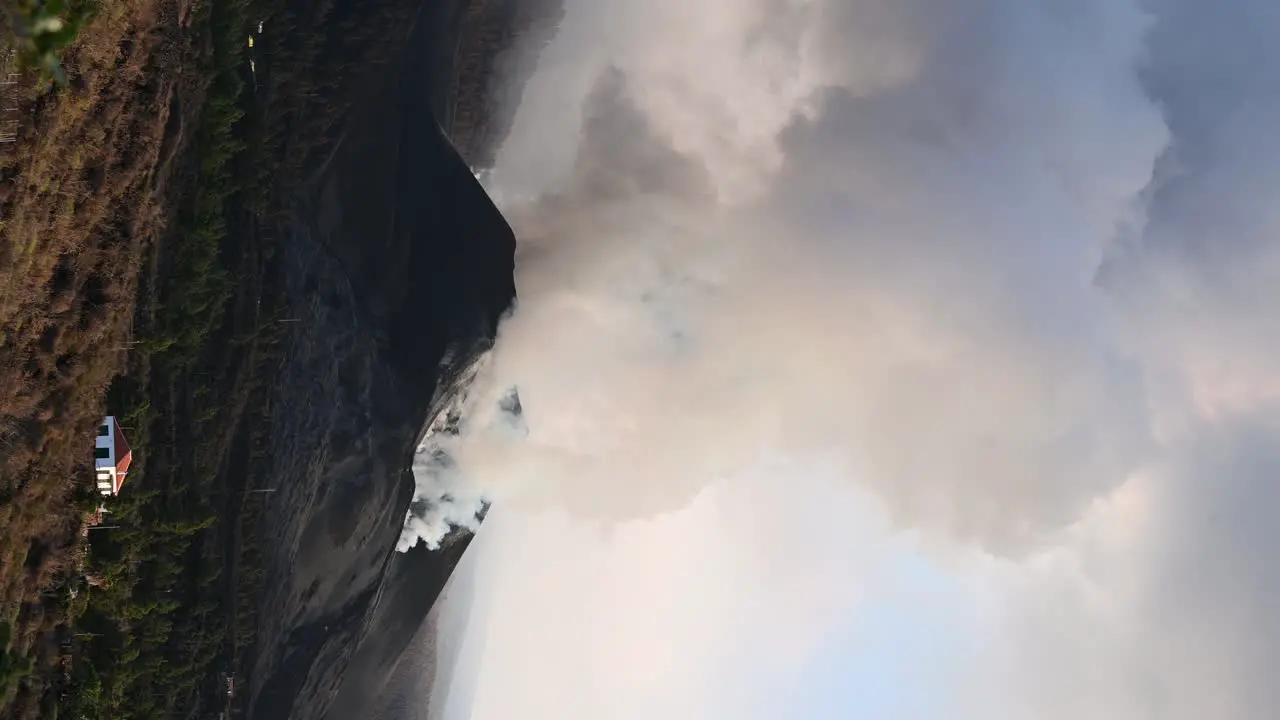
{"x": 982, "y": 286}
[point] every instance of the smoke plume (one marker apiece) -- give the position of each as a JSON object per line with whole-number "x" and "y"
{"x": 846, "y": 232}
{"x": 1002, "y": 270}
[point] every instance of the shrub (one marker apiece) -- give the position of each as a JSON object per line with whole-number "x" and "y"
{"x": 41, "y": 29}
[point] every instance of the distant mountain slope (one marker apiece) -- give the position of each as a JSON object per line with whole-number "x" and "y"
{"x": 396, "y": 255}
{"x": 496, "y": 53}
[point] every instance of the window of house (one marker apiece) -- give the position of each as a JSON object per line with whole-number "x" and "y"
{"x": 102, "y": 430}
{"x": 102, "y": 453}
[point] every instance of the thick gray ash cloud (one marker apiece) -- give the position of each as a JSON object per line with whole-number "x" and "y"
{"x": 1009, "y": 267}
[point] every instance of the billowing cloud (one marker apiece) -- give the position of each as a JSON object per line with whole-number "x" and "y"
{"x": 986, "y": 285}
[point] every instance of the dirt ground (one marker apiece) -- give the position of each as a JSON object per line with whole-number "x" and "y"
{"x": 82, "y": 203}
{"x": 384, "y": 257}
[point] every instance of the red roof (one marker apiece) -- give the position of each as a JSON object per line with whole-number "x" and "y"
{"x": 124, "y": 455}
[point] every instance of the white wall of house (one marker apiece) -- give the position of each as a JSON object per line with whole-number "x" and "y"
{"x": 104, "y": 456}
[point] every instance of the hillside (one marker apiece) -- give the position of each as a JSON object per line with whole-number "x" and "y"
{"x": 146, "y": 210}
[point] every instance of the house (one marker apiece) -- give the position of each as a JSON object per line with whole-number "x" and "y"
{"x": 111, "y": 457}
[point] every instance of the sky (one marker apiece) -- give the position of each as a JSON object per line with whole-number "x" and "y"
{"x": 894, "y": 359}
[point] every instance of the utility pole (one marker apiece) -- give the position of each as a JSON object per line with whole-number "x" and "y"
{"x": 259, "y": 491}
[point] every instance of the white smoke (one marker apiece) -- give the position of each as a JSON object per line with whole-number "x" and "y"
{"x": 1005, "y": 268}
{"x": 444, "y": 500}
{"x": 846, "y": 231}
{"x": 448, "y": 496}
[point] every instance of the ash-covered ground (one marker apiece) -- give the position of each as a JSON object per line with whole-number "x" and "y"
{"x": 399, "y": 268}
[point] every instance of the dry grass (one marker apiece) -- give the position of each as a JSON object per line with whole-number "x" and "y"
{"x": 81, "y": 204}
{"x": 96, "y": 177}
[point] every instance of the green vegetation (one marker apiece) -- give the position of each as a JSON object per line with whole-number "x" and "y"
{"x": 165, "y": 605}
{"x": 161, "y": 627}
{"x": 196, "y": 284}
{"x": 173, "y": 607}
{"x": 12, "y": 667}
{"x": 80, "y": 208}
{"x": 41, "y": 29}
{"x": 141, "y": 207}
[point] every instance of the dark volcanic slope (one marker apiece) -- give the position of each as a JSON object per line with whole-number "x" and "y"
{"x": 396, "y": 254}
